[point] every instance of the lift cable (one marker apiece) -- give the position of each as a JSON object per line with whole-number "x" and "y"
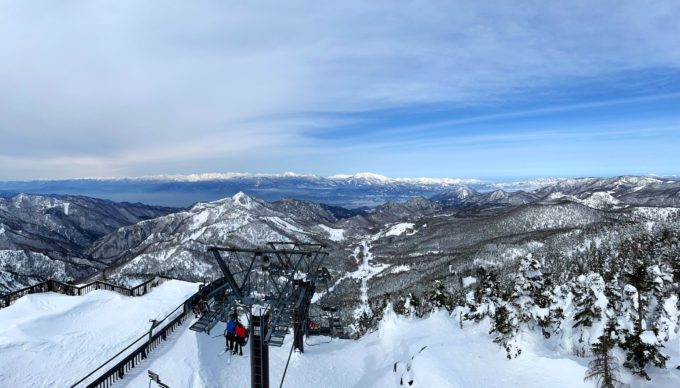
{"x": 287, "y": 362}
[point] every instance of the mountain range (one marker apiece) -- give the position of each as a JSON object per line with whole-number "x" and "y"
{"x": 349, "y": 191}
{"x": 46, "y": 236}
{"x": 72, "y": 237}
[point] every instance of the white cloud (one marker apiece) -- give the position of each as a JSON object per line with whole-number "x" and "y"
{"x": 128, "y": 85}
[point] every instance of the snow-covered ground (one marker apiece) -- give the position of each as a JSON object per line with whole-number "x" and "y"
{"x": 333, "y": 234}
{"x": 401, "y": 228}
{"x": 53, "y": 340}
{"x": 50, "y": 340}
{"x": 451, "y": 358}
{"x": 365, "y": 272}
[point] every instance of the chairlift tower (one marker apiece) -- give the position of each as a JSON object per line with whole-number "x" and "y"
{"x": 276, "y": 284}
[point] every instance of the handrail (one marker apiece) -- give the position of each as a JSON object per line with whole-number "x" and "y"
{"x": 135, "y": 357}
{"x": 146, "y": 335}
{"x": 70, "y": 289}
{"x": 141, "y": 353}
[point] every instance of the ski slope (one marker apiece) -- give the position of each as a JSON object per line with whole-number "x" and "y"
{"x": 52, "y": 340}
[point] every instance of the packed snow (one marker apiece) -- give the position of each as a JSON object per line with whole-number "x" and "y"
{"x": 365, "y": 272}
{"x": 333, "y": 234}
{"x": 53, "y": 340}
{"x": 401, "y": 228}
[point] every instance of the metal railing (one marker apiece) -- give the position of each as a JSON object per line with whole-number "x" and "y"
{"x": 146, "y": 345}
{"x": 70, "y": 289}
{"x": 136, "y": 356}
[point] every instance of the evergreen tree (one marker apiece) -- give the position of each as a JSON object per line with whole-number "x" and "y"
{"x": 586, "y": 308}
{"x": 641, "y": 353}
{"x": 532, "y": 295}
{"x": 604, "y": 368}
{"x": 364, "y": 323}
{"x": 665, "y": 315}
{"x": 587, "y": 311}
{"x": 439, "y": 296}
{"x": 641, "y": 345}
{"x": 408, "y": 306}
{"x": 400, "y": 306}
{"x": 483, "y": 300}
{"x": 612, "y": 291}
{"x": 504, "y": 326}
{"x": 675, "y": 265}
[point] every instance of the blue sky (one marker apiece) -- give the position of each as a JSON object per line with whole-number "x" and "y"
{"x": 491, "y": 90}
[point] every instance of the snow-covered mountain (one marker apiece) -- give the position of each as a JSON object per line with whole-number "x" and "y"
{"x": 42, "y": 237}
{"x": 176, "y": 244}
{"x": 349, "y": 191}
{"x": 624, "y": 190}
{"x": 632, "y": 190}
{"x": 422, "y": 236}
{"x": 37, "y": 230}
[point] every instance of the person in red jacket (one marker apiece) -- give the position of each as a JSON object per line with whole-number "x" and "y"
{"x": 241, "y": 334}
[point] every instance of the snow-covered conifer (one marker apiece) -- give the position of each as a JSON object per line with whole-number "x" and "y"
{"x": 504, "y": 328}
{"x": 586, "y": 308}
{"x": 642, "y": 345}
{"x": 483, "y": 300}
{"x": 604, "y": 368}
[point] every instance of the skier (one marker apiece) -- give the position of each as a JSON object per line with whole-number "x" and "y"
{"x": 241, "y": 334}
{"x": 230, "y": 332}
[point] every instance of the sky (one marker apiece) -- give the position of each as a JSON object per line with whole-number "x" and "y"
{"x": 461, "y": 89}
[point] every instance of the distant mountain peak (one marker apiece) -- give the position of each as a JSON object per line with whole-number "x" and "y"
{"x": 243, "y": 200}
{"x": 464, "y": 192}
{"x": 367, "y": 176}
{"x": 498, "y": 195}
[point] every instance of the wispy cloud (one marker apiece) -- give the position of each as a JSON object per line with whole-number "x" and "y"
{"x": 133, "y": 88}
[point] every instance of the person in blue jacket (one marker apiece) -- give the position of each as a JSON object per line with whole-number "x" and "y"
{"x": 230, "y": 332}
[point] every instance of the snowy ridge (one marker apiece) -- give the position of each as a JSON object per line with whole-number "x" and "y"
{"x": 600, "y": 200}
{"x": 169, "y": 244}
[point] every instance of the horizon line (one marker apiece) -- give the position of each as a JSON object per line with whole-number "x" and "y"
{"x": 224, "y": 176}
